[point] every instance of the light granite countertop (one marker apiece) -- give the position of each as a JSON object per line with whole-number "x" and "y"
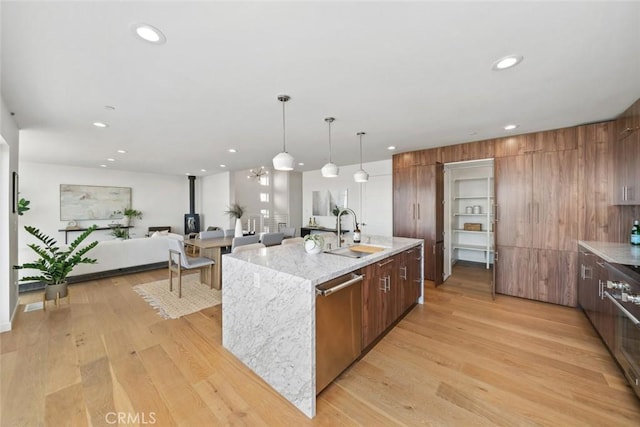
{"x": 619, "y": 253}
{"x": 269, "y": 315}
{"x": 318, "y": 268}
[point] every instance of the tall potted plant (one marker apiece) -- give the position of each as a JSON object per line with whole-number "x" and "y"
{"x": 54, "y": 263}
{"x": 235, "y": 211}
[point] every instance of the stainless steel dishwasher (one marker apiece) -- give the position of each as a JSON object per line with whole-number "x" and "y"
{"x": 338, "y": 327}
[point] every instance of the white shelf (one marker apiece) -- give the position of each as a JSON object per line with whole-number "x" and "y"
{"x": 472, "y": 197}
{"x": 480, "y": 178}
{"x": 471, "y": 214}
{"x": 470, "y": 186}
{"x": 467, "y": 247}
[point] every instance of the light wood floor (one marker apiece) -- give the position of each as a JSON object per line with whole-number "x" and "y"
{"x": 461, "y": 359}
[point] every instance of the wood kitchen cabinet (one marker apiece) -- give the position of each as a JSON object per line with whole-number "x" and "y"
{"x": 408, "y": 279}
{"x": 536, "y": 227}
{"x": 626, "y": 173}
{"x": 601, "y": 312}
{"x": 418, "y": 192}
{"x": 380, "y": 293}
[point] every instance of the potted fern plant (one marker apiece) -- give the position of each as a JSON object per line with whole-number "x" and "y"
{"x": 55, "y": 263}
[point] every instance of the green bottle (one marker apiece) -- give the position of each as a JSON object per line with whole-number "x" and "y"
{"x": 635, "y": 233}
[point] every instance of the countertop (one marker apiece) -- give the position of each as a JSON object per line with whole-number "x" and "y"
{"x": 318, "y": 268}
{"x": 620, "y": 253}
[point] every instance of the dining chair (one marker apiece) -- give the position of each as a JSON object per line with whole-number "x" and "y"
{"x": 249, "y": 247}
{"x": 211, "y": 234}
{"x": 293, "y": 240}
{"x": 179, "y": 261}
{"x": 288, "y": 232}
{"x": 245, "y": 240}
{"x": 271, "y": 239}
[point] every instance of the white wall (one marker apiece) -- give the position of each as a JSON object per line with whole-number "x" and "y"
{"x": 372, "y": 201}
{"x": 216, "y": 196}
{"x": 162, "y": 199}
{"x": 284, "y": 191}
{"x": 8, "y": 220}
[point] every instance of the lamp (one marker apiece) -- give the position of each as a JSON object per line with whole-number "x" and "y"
{"x": 283, "y": 161}
{"x": 330, "y": 170}
{"x": 361, "y": 175}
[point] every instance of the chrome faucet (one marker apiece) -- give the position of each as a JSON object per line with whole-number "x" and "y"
{"x": 339, "y": 226}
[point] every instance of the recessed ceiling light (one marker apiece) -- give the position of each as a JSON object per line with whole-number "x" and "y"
{"x": 100, "y": 125}
{"x": 223, "y": 166}
{"x": 149, "y": 33}
{"x": 391, "y": 147}
{"x": 300, "y": 164}
{"x": 232, "y": 150}
{"x": 111, "y": 160}
{"x": 103, "y": 166}
{"x": 122, "y": 151}
{"x": 510, "y": 127}
{"x": 203, "y": 170}
{"x": 507, "y": 62}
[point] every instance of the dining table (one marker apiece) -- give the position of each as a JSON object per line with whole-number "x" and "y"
{"x": 212, "y": 249}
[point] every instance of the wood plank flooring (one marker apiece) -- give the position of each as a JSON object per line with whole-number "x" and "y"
{"x": 460, "y": 359}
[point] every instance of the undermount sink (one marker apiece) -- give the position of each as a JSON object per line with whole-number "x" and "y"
{"x": 356, "y": 251}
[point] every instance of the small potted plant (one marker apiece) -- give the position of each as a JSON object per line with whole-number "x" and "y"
{"x": 313, "y": 243}
{"x": 119, "y": 233}
{"x": 54, "y": 263}
{"x": 23, "y": 206}
{"x": 235, "y": 211}
{"x": 128, "y": 215}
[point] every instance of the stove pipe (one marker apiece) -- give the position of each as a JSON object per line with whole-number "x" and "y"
{"x": 192, "y": 219}
{"x": 192, "y": 194}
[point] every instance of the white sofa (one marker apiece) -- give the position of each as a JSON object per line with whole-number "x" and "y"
{"x": 114, "y": 255}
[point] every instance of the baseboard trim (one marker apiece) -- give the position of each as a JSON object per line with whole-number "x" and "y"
{"x": 37, "y": 286}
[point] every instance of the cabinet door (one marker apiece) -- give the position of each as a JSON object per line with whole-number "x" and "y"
{"x": 555, "y": 200}
{"x": 555, "y": 275}
{"x": 425, "y": 225}
{"x": 588, "y": 286}
{"x": 626, "y": 175}
{"x": 404, "y": 202}
{"x": 513, "y": 177}
{"x": 513, "y": 272}
{"x": 409, "y": 279}
{"x": 430, "y": 218}
{"x": 378, "y": 305}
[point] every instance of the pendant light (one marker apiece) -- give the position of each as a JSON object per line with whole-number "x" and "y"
{"x": 283, "y": 161}
{"x": 361, "y": 175}
{"x": 330, "y": 170}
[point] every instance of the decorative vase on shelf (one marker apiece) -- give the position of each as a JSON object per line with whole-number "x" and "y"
{"x": 238, "y": 232}
{"x": 126, "y": 221}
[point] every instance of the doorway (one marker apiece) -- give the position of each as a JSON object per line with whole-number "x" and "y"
{"x": 469, "y": 223}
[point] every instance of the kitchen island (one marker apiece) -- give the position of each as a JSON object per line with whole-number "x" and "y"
{"x": 269, "y": 310}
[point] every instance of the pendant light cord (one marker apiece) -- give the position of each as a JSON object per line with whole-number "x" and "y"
{"x": 360, "y": 151}
{"x": 284, "y": 144}
{"x": 330, "y": 142}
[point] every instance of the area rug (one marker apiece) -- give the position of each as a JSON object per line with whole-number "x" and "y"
{"x": 195, "y": 296}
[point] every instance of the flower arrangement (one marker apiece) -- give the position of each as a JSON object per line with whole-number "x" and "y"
{"x": 235, "y": 211}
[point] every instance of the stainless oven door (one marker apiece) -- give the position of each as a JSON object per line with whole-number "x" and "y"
{"x": 627, "y": 343}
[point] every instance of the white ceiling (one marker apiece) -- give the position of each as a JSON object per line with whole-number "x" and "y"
{"x": 414, "y": 75}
